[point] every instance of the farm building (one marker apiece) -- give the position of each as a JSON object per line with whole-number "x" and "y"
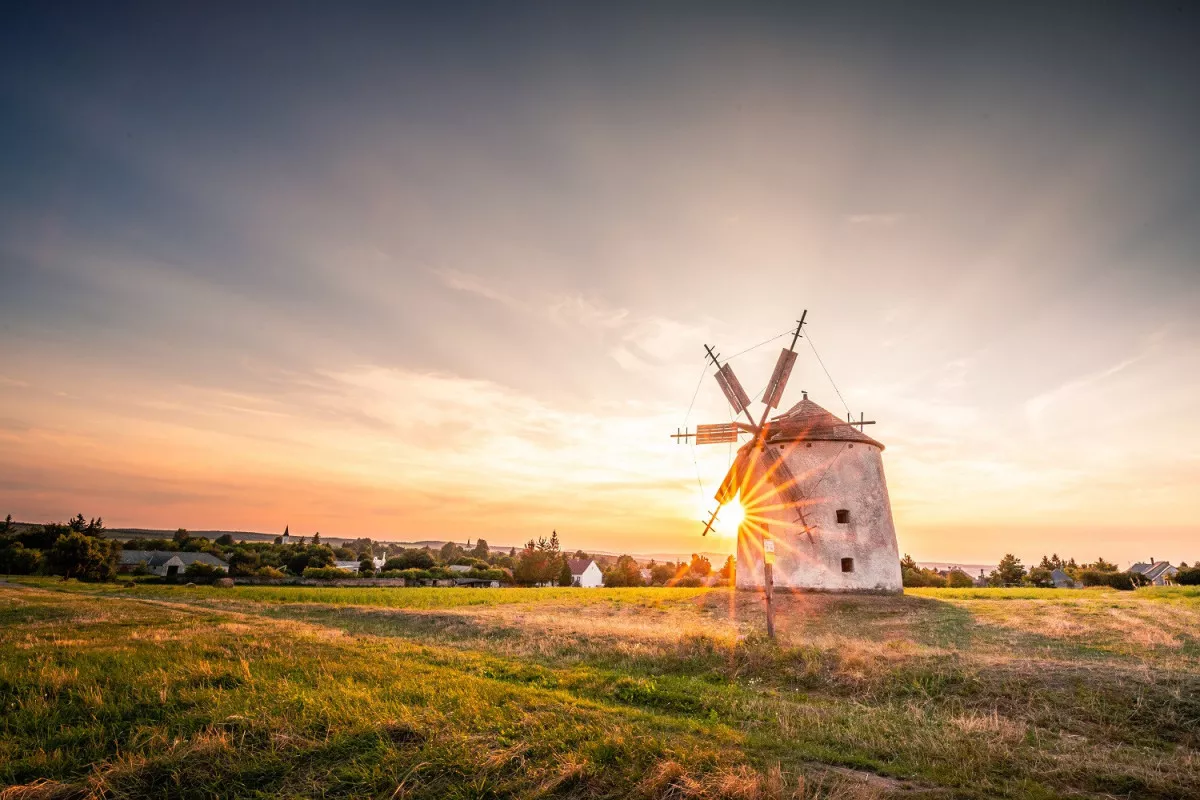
{"x": 477, "y": 583}
{"x": 1063, "y": 581}
{"x": 350, "y": 566}
{"x": 1158, "y": 573}
{"x": 585, "y": 573}
{"x": 167, "y": 563}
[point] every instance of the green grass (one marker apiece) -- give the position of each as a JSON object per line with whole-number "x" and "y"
{"x": 1058, "y": 595}
{"x": 1170, "y": 592}
{"x": 425, "y": 598}
{"x": 298, "y": 691}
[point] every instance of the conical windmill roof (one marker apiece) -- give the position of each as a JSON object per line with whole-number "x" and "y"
{"x": 808, "y": 422}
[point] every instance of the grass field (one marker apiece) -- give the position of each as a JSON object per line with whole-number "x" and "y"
{"x": 157, "y": 691}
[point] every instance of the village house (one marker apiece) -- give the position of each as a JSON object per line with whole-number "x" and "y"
{"x": 1064, "y": 581}
{"x": 167, "y": 563}
{"x": 585, "y": 573}
{"x": 1157, "y": 573}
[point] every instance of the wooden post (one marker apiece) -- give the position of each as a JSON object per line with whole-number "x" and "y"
{"x": 768, "y": 545}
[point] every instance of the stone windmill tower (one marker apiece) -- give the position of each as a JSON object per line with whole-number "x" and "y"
{"x": 817, "y": 513}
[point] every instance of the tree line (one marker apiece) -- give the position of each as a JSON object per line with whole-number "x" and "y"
{"x": 1011, "y": 572}
{"x": 82, "y": 549}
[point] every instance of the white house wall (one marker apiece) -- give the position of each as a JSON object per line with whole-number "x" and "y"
{"x": 591, "y": 577}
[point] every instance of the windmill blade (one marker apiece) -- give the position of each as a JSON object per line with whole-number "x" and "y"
{"x": 735, "y": 477}
{"x": 779, "y": 378}
{"x": 716, "y": 434}
{"x": 781, "y": 475}
{"x": 733, "y": 390}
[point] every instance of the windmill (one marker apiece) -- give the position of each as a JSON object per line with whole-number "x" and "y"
{"x": 778, "y": 485}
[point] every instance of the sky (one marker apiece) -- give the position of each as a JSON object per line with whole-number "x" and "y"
{"x": 366, "y": 269}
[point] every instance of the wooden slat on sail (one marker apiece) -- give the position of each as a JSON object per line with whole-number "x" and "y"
{"x": 732, "y": 388}
{"x": 716, "y": 434}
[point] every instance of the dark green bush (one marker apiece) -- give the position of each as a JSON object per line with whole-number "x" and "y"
{"x": 488, "y": 574}
{"x": 410, "y": 559}
{"x": 198, "y": 569}
{"x": 88, "y": 558}
{"x": 1188, "y": 577}
{"x": 16, "y": 559}
{"x": 959, "y": 580}
{"x": 327, "y": 573}
{"x": 1115, "y": 580}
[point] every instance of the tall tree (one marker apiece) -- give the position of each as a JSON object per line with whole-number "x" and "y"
{"x": 1009, "y": 572}
{"x": 661, "y": 574}
{"x": 536, "y": 565}
{"x": 481, "y": 549}
{"x": 624, "y": 573}
{"x": 728, "y": 570}
{"x": 87, "y": 558}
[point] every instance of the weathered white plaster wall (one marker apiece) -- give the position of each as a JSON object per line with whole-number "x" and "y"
{"x": 830, "y": 475}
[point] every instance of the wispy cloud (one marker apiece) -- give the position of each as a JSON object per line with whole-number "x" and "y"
{"x": 641, "y": 341}
{"x": 471, "y": 284}
{"x": 1035, "y": 407}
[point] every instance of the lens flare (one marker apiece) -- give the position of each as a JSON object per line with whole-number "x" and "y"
{"x": 730, "y": 518}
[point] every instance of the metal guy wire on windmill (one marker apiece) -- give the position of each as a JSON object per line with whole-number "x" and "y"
{"x": 812, "y": 486}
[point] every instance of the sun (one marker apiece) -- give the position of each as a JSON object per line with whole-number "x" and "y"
{"x": 730, "y": 518}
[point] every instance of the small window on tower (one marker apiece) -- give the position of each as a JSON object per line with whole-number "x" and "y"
{"x": 843, "y": 515}
{"x": 847, "y": 565}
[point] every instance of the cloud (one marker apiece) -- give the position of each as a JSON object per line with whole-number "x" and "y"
{"x": 1035, "y": 407}
{"x": 464, "y": 282}
{"x": 641, "y": 341}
